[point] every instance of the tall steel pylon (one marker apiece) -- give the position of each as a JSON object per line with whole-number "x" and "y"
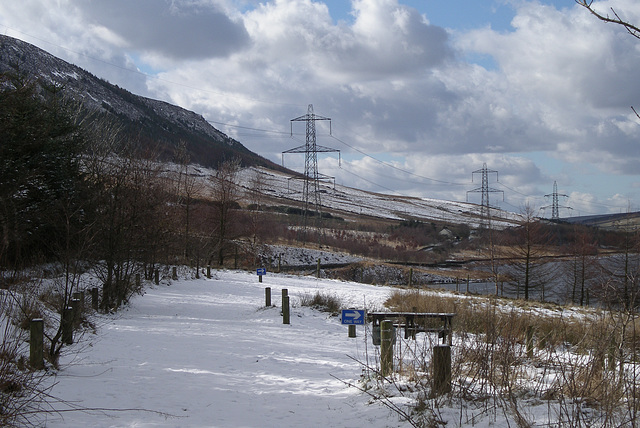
{"x": 485, "y": 207}
{"x": 312, "y": 178}
{"x": 555, "y": 205}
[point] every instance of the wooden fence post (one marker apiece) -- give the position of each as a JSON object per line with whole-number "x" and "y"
{"x": 318, "y": 270}
{"x": 67, "y": 325}
{"x": 209, "y": 271}
{"x": 386, "y": 347}
{"x": 36, "y": 344}
{"x": 441, "y": 369}
{"x": 286, "y": 316}
{"x": 267, "y": 296}
{"x": 157, "y": 278}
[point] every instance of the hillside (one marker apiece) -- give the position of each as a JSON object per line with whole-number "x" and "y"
{"x": 151, "y": 123}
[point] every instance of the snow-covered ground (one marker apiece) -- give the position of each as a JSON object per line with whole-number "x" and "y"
{"x": 207, "y": 353}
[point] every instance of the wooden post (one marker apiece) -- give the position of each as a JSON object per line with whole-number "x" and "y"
{"x": 235, "y": 258}
{"x": 67, "y": 325}
{"x": 209, "y": 271}
{"x": 174, "y": 273}
{"x": 79, "y": 296}
{"x": 467, "y": 284}
{"x": 441, "y": 369}
{"x": 36, "y": 344}
{"x": 529, "y": 341}
{"x": 410, "y": 277}
{"x": 386, "y": 347}
{"x": 267, "y": 296}
{"x": 75, "y": 307}
{"x": 279, "y": 262}
{"x": 286, "y": 316}
{"x": 259, "y": 278}
{"x": 157, "y": 278}
{"x": 352, "y": 330}
{"x": 94, "y": 298}
{"x": 457, "y": 284}
{"x": 318, "y": 270}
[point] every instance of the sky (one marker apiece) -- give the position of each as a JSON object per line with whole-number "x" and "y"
{"x": 421, "y": 93}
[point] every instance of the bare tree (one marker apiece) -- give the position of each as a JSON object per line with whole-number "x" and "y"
{"x": 187, "y": 190}
{"x": 226, "y": 194}
{"x": 582, "y": 270}
{"x": 526, "y": 252}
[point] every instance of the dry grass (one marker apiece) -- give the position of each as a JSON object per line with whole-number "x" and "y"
{"x": 507, "y": 350}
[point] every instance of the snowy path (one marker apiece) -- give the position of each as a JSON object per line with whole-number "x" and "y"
{"x": 209, "y": 353}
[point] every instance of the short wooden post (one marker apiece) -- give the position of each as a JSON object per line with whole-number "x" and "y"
{"x": 386, "y": 347}
{"x": 157, "y": 277}
{"x": 209, "y": 271}
{"x": 285, "y": 292}
{"x": 36, "y": 344}
{"x": 441, "y": 369}
{"x": 267, "y": 296}
{"x": 67, "y": 325}
{"x": 79, "y": 296}
{"x": 235, "y": 258}
{"x": 94, "y": 298}
{"x": 174, "y": 273}
{"x": 352, "y": 330}
{"x": 467, "y": 284}
{"x": 410, "y": 277}
{"x": 259, "y": 278}
{"x": 286, "y": 318}
{"x": 529, "y": 341}
{"x": 75, "y": 316}
{"x": 279, "y": 262}
{"x": 318, "y": 270}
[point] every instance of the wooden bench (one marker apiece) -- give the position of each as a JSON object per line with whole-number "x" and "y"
{"x": 416, "y": 322}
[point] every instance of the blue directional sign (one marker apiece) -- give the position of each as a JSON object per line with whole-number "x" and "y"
{"x": 353, "y": 316}
{"x": 261, "y": 271}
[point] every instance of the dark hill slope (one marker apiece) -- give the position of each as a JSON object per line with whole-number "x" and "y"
{"x": 152, "y": 124}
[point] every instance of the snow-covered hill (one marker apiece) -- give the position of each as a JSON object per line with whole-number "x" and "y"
{"x": 277, "y": 185}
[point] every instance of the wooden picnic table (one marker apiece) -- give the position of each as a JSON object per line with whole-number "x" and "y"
{"x": 416, "y": 322}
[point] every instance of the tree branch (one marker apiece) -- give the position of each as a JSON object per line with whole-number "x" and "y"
{"x": 632, "y": 29}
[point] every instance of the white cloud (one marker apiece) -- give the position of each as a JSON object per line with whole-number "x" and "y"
{"x": 392, "y": 82}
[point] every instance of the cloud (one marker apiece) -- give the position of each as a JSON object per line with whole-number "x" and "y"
{"x": 176, "y": 29}
{"x": 396, "y": 85}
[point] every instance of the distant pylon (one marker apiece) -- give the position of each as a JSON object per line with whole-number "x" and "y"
{"x": 485, "y": 207}
{"x": 311, "y": 186}
{"x": 555, "y": 205}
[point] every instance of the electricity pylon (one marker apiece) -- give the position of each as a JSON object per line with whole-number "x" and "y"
{"x": 555, "y": 206}
{"x": 312, "y": 178}
{"x": 485, "y": 207}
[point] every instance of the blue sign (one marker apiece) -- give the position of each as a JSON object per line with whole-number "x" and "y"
{"x": 353, "y": 316}
{"x": 261, "y": 271}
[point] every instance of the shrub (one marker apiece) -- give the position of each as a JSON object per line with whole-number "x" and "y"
{"x": 322, "y": 302}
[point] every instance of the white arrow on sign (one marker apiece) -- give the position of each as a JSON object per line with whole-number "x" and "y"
{"x": 355, "y": 314}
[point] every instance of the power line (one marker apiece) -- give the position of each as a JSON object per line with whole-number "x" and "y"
{"x": 398, "y": 168}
